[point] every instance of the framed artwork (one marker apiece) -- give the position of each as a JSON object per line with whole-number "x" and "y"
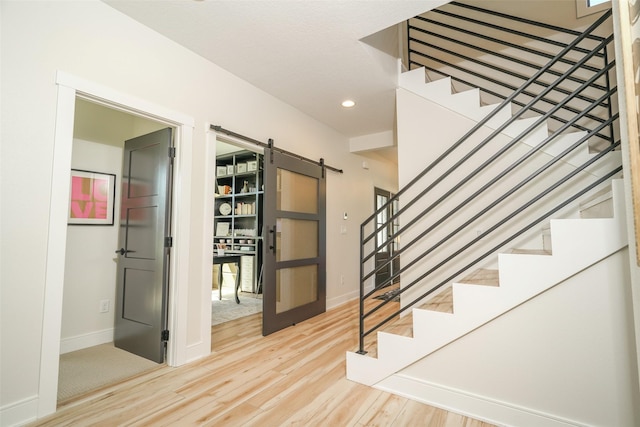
{"x": 92, "y": 198}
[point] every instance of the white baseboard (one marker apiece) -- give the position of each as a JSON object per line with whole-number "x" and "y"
{"x": 19, "y": 413}
{"x": 86, "y": 340}
{"x": 471, "y": 405}
{"x": 342, "y": 299}
{"x": 195, "y": 352}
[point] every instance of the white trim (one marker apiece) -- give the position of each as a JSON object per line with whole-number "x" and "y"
{"x": 240, "y": 143}
{"x": 78, "y": 342}
{"x": 56, "y": 248}
{"x": 479, "y": 407}
{"x": 19, "y": 413}
{"x": 68, "y": 88}
{"x": 184, "y": 352}
{"x": 623, "y": 42}
{"x": 207, "y": 228}
{"x": 121, "y": 101}
{"x": 181, "y": 226}
{"x": 583, "y": 9}
{"x": 342, "y": 299}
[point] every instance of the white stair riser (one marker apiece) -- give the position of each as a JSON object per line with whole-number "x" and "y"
{"x": 468, "y": 104}
{"x": 577, "y": 244}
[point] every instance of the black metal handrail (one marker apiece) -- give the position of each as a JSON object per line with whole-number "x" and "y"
{"x": 492, "y": 251}
{"x": 500, "y": 41}
{"x": 486, "y": 187}
{"x": 484, "y": 211}
{"x": 520, "y": 19}
{"x": 483, "y": 122}
{"x": 520, "y": 103}
{"x": 513, "y": 118}
{"x": 496, "y": 54}
{"x": 433, "y": 232}
{"x": 427, "y": 47}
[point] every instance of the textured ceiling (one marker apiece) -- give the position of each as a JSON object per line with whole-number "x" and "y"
{"x": 308, "y": 53}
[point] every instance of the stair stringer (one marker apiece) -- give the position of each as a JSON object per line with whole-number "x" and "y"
{"x": 577, "y": 244}
{"x": 468, "y": 104}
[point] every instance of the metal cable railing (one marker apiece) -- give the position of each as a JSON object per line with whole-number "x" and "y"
{"x": 502, "y": 190}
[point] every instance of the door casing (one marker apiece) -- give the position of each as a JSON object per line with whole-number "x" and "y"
{"x": 178, "y": 352}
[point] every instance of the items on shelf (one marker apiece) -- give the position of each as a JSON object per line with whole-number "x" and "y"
{"x": 245, "y": 208}
{"x": 221, "y": 248}
{"x": 237, "y": 211}
{"x": 224, "y": 189}
{"x": 222, "y": 228}
{"x": 245, "y": 232}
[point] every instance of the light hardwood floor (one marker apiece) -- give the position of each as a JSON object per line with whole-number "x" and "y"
{"x": 295, "y": 377}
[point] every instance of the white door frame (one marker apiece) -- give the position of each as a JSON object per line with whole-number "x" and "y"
{"x": 178, "y": 353}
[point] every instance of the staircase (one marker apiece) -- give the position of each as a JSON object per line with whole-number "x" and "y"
{"x": 577, "y": 243}
{"x": 473, "y": 246}
{"x": 468, "y": 104}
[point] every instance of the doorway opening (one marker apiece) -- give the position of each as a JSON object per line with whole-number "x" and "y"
{"x": 87, "y": 329}
{"x": 387, "y": 263}
{"x": 236, "y": 285}
{"x": 179, "y": 349}
{"x": 292, "y": 232}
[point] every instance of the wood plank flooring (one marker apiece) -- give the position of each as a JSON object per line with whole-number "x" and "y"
{"x": 295, "y": 377}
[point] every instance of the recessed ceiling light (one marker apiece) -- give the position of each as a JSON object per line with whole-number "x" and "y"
{"x": 348, "y": 103}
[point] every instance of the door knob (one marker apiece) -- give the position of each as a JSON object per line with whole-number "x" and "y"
{"x": 122, "y": 251}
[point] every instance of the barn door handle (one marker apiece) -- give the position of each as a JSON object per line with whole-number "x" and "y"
{"x": 273, "y": 239}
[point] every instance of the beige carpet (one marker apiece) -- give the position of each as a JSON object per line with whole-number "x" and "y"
{"x": 95, "y": 367}
{"x": 227, "y": 309}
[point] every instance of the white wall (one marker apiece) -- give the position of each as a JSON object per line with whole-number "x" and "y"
{"x": 565, "y": 355}
{"x": 90, "y": 264}
{"x": 90, "y": 40}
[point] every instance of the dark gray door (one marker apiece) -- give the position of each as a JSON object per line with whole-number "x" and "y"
{"x": 385, "y": 245}
{"x": 143, "y": 254}
{"x": 294, "y": 287}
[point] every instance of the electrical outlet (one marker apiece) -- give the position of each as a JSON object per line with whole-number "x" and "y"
{"x": 341, "y": 280}
{"x": 104, "y": 306}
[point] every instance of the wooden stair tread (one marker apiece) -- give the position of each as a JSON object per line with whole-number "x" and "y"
{"x": 482, "y": 276}
{"x": 442, "y": 302}
{"x": 530, "y": 251}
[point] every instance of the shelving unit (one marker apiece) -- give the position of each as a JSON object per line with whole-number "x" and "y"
{"x": 238, "y": 211}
